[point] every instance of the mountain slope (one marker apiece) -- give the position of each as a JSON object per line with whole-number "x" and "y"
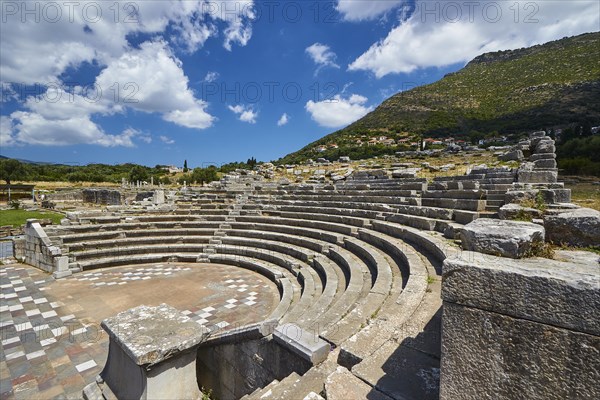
{"x": 549, "y": 85}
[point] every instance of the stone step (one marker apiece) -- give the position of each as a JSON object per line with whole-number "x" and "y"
{"x": 497, "y": 181}
{"x": 273, "y": 390}
{"x": 495, "y": 197}
{"x": 429, "y": 212}
{"x": 497, "y": 186}
{"x": 456, "y": 204}
{"x": 452, "y": 194}
{"x": 493, "y": 203}
{"x": 260, "y": 391}
{"x": 464, "y": 216}
{"x": 488, "y": 214}
{"x": 407, "y": 367}
{"x": 342, "y": 385}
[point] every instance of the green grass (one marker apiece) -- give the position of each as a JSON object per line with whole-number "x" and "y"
{"x": 585, "y": 194}
{"x": 17, "y": 218}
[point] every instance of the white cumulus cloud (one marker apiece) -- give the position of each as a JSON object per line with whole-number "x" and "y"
{"x": 35, "y": 129}
{"x": 66, "y": 34}
{"x": 322, "y": 55}
{"x": 338, "y": 112}
{"x": 6, "y": 131}
{"x": 359, "y": 10}
{"x": 211, "y": 76}
{"x": 438, "y": 34}
{"x": 245, "y": 113}
{"x": 166, "y": 139}
{"x": 149, "y": 79}
{"x": 283, "y": 120}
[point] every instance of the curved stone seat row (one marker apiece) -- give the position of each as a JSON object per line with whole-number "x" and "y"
{"x": 355, "y": 275}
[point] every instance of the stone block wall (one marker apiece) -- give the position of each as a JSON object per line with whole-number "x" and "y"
{"x": 102, "y": 196}
{"x": 233, "y": 370}
{"x": 527, "y": 329}
{"x": 41, "y": 253}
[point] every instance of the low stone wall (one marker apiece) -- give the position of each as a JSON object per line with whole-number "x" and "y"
{"x": 41, "y": 253}
{"x": 520, "y": 329}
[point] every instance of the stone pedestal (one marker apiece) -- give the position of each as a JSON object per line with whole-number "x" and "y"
{"x": 152, "y": 355}
{"x": 158, "y": 197}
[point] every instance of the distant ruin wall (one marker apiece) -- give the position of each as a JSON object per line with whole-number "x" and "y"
{"x": 66, "y": 195}
{"x": 519, "y": 329}
{"x": 102, "y": 196}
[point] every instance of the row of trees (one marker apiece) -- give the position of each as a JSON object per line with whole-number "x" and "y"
{"x": 14, "y": 170}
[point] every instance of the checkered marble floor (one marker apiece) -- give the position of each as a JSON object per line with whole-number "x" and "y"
{"x": 111, "y": 277}
{"x": 52, "y": 343}
{"x": 46, "y": 351}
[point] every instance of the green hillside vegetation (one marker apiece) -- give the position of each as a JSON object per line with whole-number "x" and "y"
{"x": 508, "y": 92}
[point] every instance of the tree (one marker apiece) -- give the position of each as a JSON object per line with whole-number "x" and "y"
{"x": 204, "y": 175}
{"x": 185, "y": 167}
{"x": 251, "y": 162}
{"x": 138, "y": 173}
{"x": 11, "y": 169}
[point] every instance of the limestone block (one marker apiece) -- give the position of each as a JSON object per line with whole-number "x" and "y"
{"x": 545, "y": 164}
{"x": 579, "y": 227}
{"x": 513, "y": 239}
{"x": 556, "y": 195}
{"x": 516, "y": 196}
{"x": 538, "y": 176}
{"x": 486, "y": 355}
{"x": 54, "y": 251}
{"x": 61, "y": 263}
{"x": 515, "y": 211}
{"x": 545, "y": 146}
{"x": 552, "y": 292}
{"x": 514, "y": 155}
{"x": 542, "y": 156}
{"x": 306, "y": 344}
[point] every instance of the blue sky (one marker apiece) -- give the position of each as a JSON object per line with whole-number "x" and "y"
{"x": 158, "y": 82}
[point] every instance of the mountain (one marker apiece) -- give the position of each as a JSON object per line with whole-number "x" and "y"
{"x": 551, "y": 85}
{"x": 26, "y": 161}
